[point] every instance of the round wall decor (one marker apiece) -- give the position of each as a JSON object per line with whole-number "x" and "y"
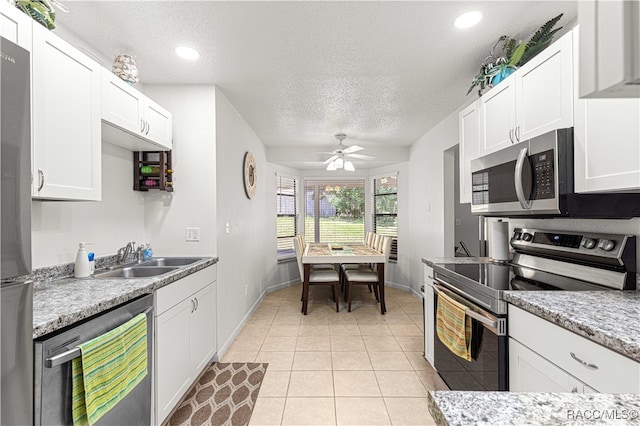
{"x": 250, "y": 175}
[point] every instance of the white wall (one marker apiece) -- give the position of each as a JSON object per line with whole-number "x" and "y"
{"x": 243, "y": 251}
{"x": 193, "y": 202}
{"x": 426, "y": 195}
{"x": 58, "y": 226}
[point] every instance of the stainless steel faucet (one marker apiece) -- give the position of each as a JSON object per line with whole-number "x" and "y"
{"x": 126, "y": 251}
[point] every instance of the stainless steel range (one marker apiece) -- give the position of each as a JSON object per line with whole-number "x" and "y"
{"x": 543, "y": 260}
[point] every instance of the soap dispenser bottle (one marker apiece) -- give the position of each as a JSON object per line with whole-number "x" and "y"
{"x": 82, "y": 269}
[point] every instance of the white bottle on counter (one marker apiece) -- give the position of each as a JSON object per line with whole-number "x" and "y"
{"x": 82, "y": 269}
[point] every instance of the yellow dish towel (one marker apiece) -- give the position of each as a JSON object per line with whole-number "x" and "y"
{"x": 110, "y": 367}
{"x": 454, "y": 326}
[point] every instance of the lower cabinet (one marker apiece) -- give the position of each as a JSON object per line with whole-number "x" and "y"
{"x": 429, "y": 325}
{"x": 544, "y": 357}
{"x": 185, "y": 338}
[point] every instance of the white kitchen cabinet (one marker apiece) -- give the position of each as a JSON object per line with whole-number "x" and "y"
{"x": 469, "y": 137}
{"x": 15, "y": 26}
{"x": 606, "y": 142}
{"x": 185, "y": 336}
{"x": 535, "y": 99}
{"x": 567, "y": 360}
{"x": 66, "y": 120}
{"x": 429, "y": 324}
{"x": 609, "y": 54}
{"x": 132, "y": 120}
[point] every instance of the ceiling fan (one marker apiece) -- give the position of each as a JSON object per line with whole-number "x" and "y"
{"x": 341, "y": 154}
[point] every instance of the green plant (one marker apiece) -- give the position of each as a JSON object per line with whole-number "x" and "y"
{"x": 514, "y": 54}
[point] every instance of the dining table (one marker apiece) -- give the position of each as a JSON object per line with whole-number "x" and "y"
{"x": 323, "y": 253}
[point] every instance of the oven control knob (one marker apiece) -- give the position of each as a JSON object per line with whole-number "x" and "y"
{"x": 527, "y": 236}
{"x": 607, "y": 245}
{"x": 589, "y": 243}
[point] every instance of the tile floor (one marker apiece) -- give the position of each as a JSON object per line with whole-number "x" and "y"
{"x": 347, "y": 368}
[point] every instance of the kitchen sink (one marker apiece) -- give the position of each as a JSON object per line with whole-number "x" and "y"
{"x": 171, "y": 261}
{"x": 136, "y": 272}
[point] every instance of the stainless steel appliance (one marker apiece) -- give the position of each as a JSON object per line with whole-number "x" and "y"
{"x": 543, "y": 260}
{"x": 535, "y": 178}
{"x": 15, "y": 218}
{"x": 53, "y": 355}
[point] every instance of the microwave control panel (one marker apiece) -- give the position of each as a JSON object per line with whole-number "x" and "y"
{"x": 543, "y": 175}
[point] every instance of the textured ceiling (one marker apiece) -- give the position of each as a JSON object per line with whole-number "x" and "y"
{"x": 384, "y": 73}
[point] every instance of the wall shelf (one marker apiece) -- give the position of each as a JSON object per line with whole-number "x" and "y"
{"x": 152, "y": 170}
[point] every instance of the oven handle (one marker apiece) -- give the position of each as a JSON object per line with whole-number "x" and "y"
{"x": 473, "y": 314}
{"x": 67, "y": 356}
{"x": 471, "y": 299}
{"x": 522, "y": 198}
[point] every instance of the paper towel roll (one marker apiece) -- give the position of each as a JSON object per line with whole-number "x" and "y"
{"x": 499, "y": 241}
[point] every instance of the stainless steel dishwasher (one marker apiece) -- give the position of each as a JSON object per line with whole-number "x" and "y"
{"x": 53, "y": 355}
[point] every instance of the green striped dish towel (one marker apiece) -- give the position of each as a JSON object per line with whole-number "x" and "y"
{"x": 110, "y": 367}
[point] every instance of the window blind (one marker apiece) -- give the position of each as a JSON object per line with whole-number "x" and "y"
{"x": 287, "y": 215}
{"x": 385, "y": 210}
{"x": 334, "y": 210}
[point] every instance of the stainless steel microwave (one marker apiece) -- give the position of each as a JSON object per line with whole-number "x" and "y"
{"x": 535, "y": 178}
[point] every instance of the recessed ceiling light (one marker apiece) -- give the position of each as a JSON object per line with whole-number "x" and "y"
{"x": 468, "y": 19}
{"x": 187, "y": 53}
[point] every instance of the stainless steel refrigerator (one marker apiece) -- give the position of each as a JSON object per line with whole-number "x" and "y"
{"x": 15, "y": 217}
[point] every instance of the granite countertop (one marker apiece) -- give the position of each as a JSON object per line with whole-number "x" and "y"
{"x": 430, "y": 261}
{"x": 506, "y": 408}
{"x": 611, "y": 318}
{"x": 62, "y": 302}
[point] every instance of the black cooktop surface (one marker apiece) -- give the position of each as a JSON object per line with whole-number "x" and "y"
{"x": 496, "y": 276}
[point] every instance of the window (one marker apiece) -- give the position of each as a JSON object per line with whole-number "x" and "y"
{"x": 385, "y": 210}
{"x": 334, "y": 210}
{"x": 287, "y": 215}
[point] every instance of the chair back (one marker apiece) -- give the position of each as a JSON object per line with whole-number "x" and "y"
{"x": 369, "y": 238}
{"x": 299, "y": 249}
{"x": 386, "y": 250}
{"x": 302, "y": 242}
{"x": 377, "y": 240}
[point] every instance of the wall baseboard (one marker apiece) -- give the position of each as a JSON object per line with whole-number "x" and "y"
{"x": 280, "y": 286}
{"x": 225, "y": 347}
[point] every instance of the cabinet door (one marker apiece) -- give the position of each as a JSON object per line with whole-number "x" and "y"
{"x": 429, "y": 324}
{"x": 173, "y": 372}
{"x": 66, "y": 120}
{"x": 544, "y": 91}
{"x": 606, "y": 135}
{"x": 202, "y": 328}
{"x": 529, "y": 372}
{"x": 121, "y": 104}
{"x": 469, "y": 134}
{"x": 158, "y": 124}
{"x": 15, "y": 26}
{"x": 497, "y": 116}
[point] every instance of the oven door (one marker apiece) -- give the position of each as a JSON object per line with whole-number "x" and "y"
{"x": 488, "y": 368}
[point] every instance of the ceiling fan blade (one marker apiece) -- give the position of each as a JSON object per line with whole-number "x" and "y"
{"x": 330, "y": 159}
{"x": 352, "y": 148}
{"x": 362, "y": 156}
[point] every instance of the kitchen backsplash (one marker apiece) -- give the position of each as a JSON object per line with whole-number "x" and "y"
{"x": 47, "y": 274}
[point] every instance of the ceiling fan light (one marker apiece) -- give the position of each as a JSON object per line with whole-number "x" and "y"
{"x": 348, "y": 166}
{"x": 339, "y": 163}
{"x": 332, "y": 166}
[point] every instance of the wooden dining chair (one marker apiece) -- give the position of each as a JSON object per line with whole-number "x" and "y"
{"x": 366, "y": 276}
{"x": 369, "y": 238}
{"x": 316, "y": 277}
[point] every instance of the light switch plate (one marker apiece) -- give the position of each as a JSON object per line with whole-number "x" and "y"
{"x": 192, "y": 234}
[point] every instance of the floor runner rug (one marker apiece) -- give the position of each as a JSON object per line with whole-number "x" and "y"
{"x": 225, "y": 394}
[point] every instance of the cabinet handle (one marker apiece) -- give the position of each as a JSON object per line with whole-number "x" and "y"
{"x": 511, "y": 135}
{"x": 148, "y": 127}
{"x": 141, "y": 126}
{"x": 586, "y": 364}
{"x": 193, "y": 306}
{"x": 40, "y": 179}
{"x": 574, "y": 390}
{"x": 518, "y": 133}
{"x": 197, "y": 303}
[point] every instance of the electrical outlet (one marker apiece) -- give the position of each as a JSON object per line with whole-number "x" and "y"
{"x": 192, "y": 234}
{"x": 246, "y": 289}
{"x": 458, "y": 221}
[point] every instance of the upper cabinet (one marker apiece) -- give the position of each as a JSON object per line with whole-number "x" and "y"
{"x": 132, "y": 120}
{"x": 15, "y": 26}
{"x": 469, "y": 136}
{"x": 66, "y": 120}
{"x": 606, "y": 142}
{"x": 536, "y": 99}
{"x": 609, "y": 52}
